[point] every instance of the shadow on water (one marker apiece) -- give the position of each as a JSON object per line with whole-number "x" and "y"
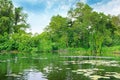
{"x": 42, "y": 68}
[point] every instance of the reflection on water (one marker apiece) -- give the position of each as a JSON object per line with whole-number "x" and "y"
{"x": 9, "y": 70}
{"x": 65, "y": 69}
{"x": 33, "y": 74}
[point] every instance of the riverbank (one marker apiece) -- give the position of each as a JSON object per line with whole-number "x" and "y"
{"x": 106, "y": 52}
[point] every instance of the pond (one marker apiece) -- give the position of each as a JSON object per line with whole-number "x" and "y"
{"x": 43, "y": 68}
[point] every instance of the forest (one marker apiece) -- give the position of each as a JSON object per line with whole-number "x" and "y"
{"x": 84, "y": 45}
{"x": 83, "y": 28}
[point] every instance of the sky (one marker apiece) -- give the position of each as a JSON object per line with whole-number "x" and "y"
{"x": 40, "y": 11}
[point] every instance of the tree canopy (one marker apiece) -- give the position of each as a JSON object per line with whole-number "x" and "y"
{"x": 12, "y": 19}
{"x": 82, "y": 28}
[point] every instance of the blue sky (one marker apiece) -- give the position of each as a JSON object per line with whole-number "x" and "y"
{"x": 40, "y": 11}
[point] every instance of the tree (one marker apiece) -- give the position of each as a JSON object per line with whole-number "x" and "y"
{"x": 81, "y": 16}
{"x": 57, "y": 29}
{"x": 12, "y": 19}
{"x": 12, "y": 23}
{"x": 19, "y": 20}
{"x": 116, "y": 30}
{"x": 93, "y": 27}
{"x": 6, "y": 16}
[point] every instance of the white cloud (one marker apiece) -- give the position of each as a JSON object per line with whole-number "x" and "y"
{"x": 38, "y": 22}
{"x": 84, "y": 1}
{"x": 29, "y": 1}
{"x": 112, "y": 7}
{"x": 50, "y": 3}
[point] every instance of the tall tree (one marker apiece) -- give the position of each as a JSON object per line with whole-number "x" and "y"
{"x": 56, "y": 29}
{"x": 12, "y": 19}
{"x": 94, "y": 27}
{"x": 19, "y": 19}
{"x": 6, "y": 16}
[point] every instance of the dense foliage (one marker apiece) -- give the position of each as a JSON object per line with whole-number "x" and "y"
{"x": 12, "y": 23}
{"x": 82, "y": 28}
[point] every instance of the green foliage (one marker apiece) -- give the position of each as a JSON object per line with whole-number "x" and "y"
{"x": 82, "y": 29}
{"x": 12, "y": 19}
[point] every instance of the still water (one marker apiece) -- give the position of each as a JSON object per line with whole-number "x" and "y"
{"x": 43, "y": 68}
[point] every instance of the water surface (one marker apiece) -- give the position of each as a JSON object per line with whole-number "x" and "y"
{"x": 43, "y": 68}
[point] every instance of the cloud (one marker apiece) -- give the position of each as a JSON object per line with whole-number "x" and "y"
{"x": 38, "y": 22}
{"x": 41, "y": 11}
{"x": 84, "y": 1}
{"x": 112, "y": 7}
